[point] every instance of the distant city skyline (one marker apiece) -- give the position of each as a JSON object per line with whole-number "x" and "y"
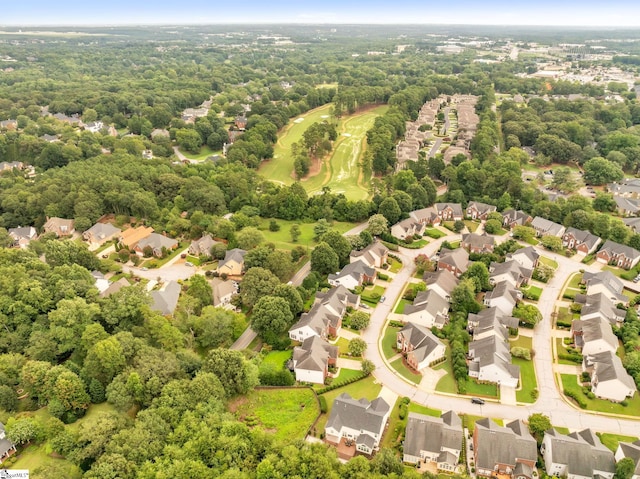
{"x": 614, "y": 13}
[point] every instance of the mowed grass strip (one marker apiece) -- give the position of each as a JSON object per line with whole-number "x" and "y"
{"x": 287, "y": 413}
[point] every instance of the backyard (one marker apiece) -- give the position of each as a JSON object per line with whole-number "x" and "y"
{"x": 286, "y": 412}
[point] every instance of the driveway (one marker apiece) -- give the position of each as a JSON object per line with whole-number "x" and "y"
{"x": 430, "y": 378}
{"x": 508, "y": 395}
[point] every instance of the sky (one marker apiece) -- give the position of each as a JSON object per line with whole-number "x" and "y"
{"x": 485, "y": 12}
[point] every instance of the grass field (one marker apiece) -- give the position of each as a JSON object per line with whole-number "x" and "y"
{"x": 434, "y": 233}
{"x": 287, "y": 412}
{"x": 569, "y": 382}
{"x": 343, "y": 345}
{"x": 534, "y": 292}
{"x": 394, "y": 265}
{"x": 476, "y": 389}
{"x": 447, "y": 383}
{"x": 405, "y": 372}
{"x": 282, "y": 238}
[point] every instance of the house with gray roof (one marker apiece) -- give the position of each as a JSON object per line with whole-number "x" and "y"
{"x": 23, "y": 235}
{"x": 479, "y": 211}
{"x": 503, "y": 296}
{"x": 509, "y": 271}
{"x": 545, "y": 227}
{"x": 456, "y": 261}
{"x": 490, "y": 320}
{"x": 202, "y": 246}
{"x": 627, "y": 206}
{"x": 443, "y": 282}
{"x": 428, "y": 309}
{"x": 7, "y": 447}
{"x": 233, "y": 262}
{"x": 478, "y": 243}
{"x": 433, "y": 439}
{"x": 375, "y": 255}
{"x": 582, "y": 241}
{"x": 406, "y": 228}
{"x": 627, "y": 188}
{"x": 59, "y": 226}
{"x": 223, "y": 291}
{"x": 600, "y": 305}
{"x": 620, "y": 255}
{"x": 490, "y": 361}
{"x": 311, "y": 360}
{"x": 607, "y": 283}
{"x": 526, "y": 257}
{"x": 158, "y": 243}
{"x": 632, "y": 451}
{"x": 579, "y": 455}
{"x": 633, "y": 223}
{"x": 507, "y": 450}
{"x": 609, "y": 379}
{"x": 100, "y": 233}
{"x": 115, "y": 287}
{"x": 513, "y": 218}
{"x": 358, "y": 421}
{"x": 353, "y": 275}
{"x": 449, "y": 211}
{"x": 165, "y": 299}
{"x": 324, "y": 319}
{"x": 420, "y": 346}
{"x": 593, "y": 336}
{"x": 426, "y": 216}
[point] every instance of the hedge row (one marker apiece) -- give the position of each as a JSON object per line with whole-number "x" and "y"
{"x": 576, "y": 358}
{"x": 343, "y": 383}
{"x": 391, "y": 246}
{"x": 576, "y": 398}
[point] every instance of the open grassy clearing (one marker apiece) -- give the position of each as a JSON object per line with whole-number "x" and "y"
{"x": 282, "y": 238}
{"x": 205, "y": 152}
{"x": 570, "y": 383}
{"x": 281, "y": 166}
{"x": 343, "y": 173}
{"x": 286, "y": 412}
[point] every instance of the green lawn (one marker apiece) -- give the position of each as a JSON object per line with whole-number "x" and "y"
{"x": 455, "y": 244}
{"x": 534, "y": 292}
{"x": 401, "y": 304}
{"x": 277, "y": 358}
{"x": 427, "y": 411}
{"x": 611, "y": 440}
{"x": 287, "y": 412}
{"x": 282, "y": 238}
{"x": 394, "y": 265}
{"x": 405, "y": 372}
{"x": 471, "y": 225}
{"x": 34, "y": 457}
{"x": 343, "y": 345}
{"x": 389, "y": 341}
{"x": 528, "y": 381}
{"x": 367, "y": 297}
{"x": 569, "y": 382}
{"x": 500, "y": 232}
{"x": 343, "y": 173}
{"x": 622, "y": 273}
{"x": 447, "y": 383}
{"x": 476, "y": 389}
{"x": 549, "y": 262}
{"x": 574, "y": 282}
{"x": 434, "y": 233}
{"x": 205, "y": 152}
{"x": 365, "y": 388}
{"x": 346, "y": 374}
{"x": 159, "y": 262}
{"x": 521, "y": 342}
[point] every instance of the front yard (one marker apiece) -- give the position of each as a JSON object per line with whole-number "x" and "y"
{"x": 570, "y": 383}
{"x": 405, "y": 372}
{"x": 389, "y": 341}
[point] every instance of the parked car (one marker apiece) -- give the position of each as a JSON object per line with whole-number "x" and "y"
{"x": 382, "y": 298}
{"x": 477, "y": 401}
{"x": 188, "y": 263}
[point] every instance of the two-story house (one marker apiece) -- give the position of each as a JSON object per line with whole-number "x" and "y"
{"x": 433, "y": 439}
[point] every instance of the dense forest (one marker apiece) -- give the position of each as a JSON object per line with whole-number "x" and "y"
{"x": 170, "y": 379}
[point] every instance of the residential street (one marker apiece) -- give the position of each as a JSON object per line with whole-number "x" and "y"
{"x": 550, "y": 401}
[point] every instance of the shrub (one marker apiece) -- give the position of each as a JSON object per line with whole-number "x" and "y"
{"x": 570, "y": 394}
{"x": 575, "y": 358}
{"x": 624, "y": 403}
{"x": 383, "y": 277}
{"x": 590, "y": 395}
{"x": 323, "y": 404}
{"x": 523, "y": 353}
{"x": 402, "y": 413}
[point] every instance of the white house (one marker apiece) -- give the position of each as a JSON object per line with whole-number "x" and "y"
{"x": 312, "y": 359}
{"x": 579, "y": 455}
{"x": 428, "y": 309}
{"x": 491, "y": 362}
{"x": 609, "y": 379}
{"x": 632, "y": 451}
{"x": 593, "y": 336}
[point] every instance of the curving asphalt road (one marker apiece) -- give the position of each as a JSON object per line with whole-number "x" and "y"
{"x": 550, "y": 402}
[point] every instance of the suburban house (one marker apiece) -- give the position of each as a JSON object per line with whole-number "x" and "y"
{"x": 375, "y": 255}
{"x": 165, "y": 299}
{"x": 358, "y": 421}
{"x": 625, "y": 449}
{"x": 442, "y": 282}
{"x": 233, "y": 262}
{"x": 607, "y": 283}
{"x": 100, "y": 282}
{"x": 509, "y": 271}
{"x": 526, "y": 257}
{"x": 627, "y": 188}
{"x": 579, "y": 455}
{"x": 202, "y": 246}
{"x": 426, "y": 216}
{"x": 130, "y": 237}
{"x": 115, "y": 287}
{"x": 609, "y": 379}
{"x": 312, "y": 359}
{"x": 627, "y": 206}
{"x": 353, "y": 275}
{"x": 158, "y": 243}
{"x": 633, "y": 223}
{"x": 7, "y": 448}
{"x": 100, "y": 233}
{"x": 593, "y": 336}
{"x": 324, "y": 319}
{"x": 59, "y": 226}
{"x": 428, "y": 309}
{"x": 490, "y": 361}
{"x": 223, "y": 291}
{"x": 621, "y": 255}
{"x": 581, "y": 241}
{"x": 456, "y": 261}
{"x": 240, "y": 122}
{"x": 508, "y": 450}
{"x": 449, "y": 211}
{"x": 488, "y": 321}
{"x": 22, "y": 235}
{"x": 503, "y": 296}
{"x": 600, "y": 305}
{"x": 545, "y": 227}
{"x": 8, "y": 124}
{"x": 477, "y": 243}
{"x": 408, "y": 227}
{"x": 513, "y": 218}
{"x": 479, "y": 211}
{"x": 433, "y": 439}
{"x": 420, "y": 346}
